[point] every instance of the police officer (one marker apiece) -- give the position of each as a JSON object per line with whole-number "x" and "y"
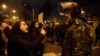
{"x": 78, "y": 39}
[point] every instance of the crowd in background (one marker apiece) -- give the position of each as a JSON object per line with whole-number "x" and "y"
{"x": 23, "y": 39}
{"x": 28, "y": 39}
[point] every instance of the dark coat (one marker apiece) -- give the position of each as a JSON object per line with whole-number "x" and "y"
{"x": 38, "y": 38}
{"x": 18, "y": 45}
{"x": 21, "y": 44}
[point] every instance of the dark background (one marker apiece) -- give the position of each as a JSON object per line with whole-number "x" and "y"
{"x": 90, "y": 6}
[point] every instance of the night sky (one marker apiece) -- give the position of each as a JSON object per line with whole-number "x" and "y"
{"x": 90, "y": 6}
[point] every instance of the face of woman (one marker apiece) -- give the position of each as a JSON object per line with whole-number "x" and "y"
{"x": 24, "y": 27}
{"x": 36, "y": 24}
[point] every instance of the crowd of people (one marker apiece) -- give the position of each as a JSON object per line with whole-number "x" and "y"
{"x": 23, "y": 39}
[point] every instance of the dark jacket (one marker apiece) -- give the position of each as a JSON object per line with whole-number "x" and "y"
{"x": 21, "y": 44}
{"x": 38, "y": 38}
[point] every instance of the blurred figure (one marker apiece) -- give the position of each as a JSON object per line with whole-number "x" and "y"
{"x": 38, "y": 35}
{"x": 97, "y": 39}
{"x": 78, "y": 39}
{"x": 8, "y": 34}
{"x": 92, "y": 28}
{"x": 6, "y": 19}
{"x": 3, "y": 39}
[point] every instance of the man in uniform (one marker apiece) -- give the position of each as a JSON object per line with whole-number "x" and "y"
{"x": 78, "y": 36}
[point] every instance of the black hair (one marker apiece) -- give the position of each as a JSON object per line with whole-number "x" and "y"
{"x": 40, "y": 25}
{"x": 16, "y": 27}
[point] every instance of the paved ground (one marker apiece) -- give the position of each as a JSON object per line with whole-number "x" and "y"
{"x": 53, "y": 49}
{"x": 96, "y": 52}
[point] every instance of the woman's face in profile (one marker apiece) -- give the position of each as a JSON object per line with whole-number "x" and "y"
{"x": 36, "y": 24}
{"x": 24, "y": 27}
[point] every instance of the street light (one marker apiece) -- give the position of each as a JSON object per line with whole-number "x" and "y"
{"x": 14, "y": 17}
{"x": 14, "y": 11}
{"x": 4, "y": 6}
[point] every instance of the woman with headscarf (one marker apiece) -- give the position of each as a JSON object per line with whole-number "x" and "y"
{"x": 20, "y": 44}
{"x": 37, "y": 30}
